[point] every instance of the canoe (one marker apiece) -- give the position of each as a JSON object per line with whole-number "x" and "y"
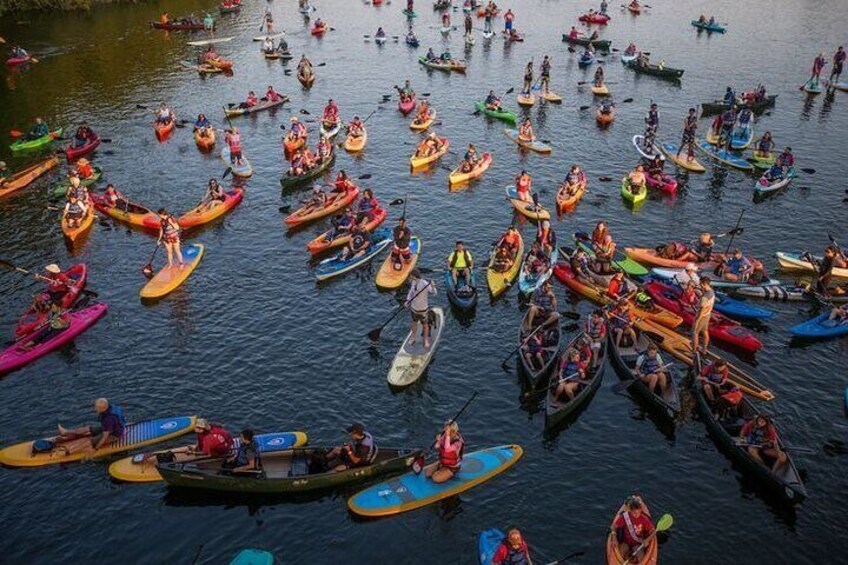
{"x": 671, "y": 149}
{"x": 527, "y": 284}
{"x": 604, "y": 118}
{"x": 647, "y": 153}
{"x": 244, "y": 170}
{"x": 60, "y": 190}
{"x": 741, "y": 137}
{"x": 463, "y": 295}
{"x": 488, "y": 544}
{"x": 173, "y": 26}
{"x": 335, "y": 266}
{"x": 602, "y": 90}
{"x": 272, "y": 55}
{"x": 766, "y": 186}
{"x": 557, "y": 410}
{"x": 526, "y": 100}
{"x": 418, "y": 162}
{"x": 552, "y": 340}
{"x": 411, "y": 361}
{"x": 669, "y": 274}
{"x": 292, "y": 181}
{"x": 649, "y": 556}
{"x": 707, "y": 27}
{"x": 72, "y": 153}
{"x": 234, "y": 110}
{"x": 534, "y": 145}
{"x": 600, "y": 19}
{"x": 307, "y": 213}
{"x": 666, "y": 183}
{"x": 37, "y": 143}
{"x": 203, "y": 214}
{"x": 290, "y": 471}
{"x": 137, "y": 469}
{"x": 356, "y": 144}
{"x": 629, "y": 196}
{"x": 164, "y": 130}
{"x": 649, "y": 257}
{"x": 725, "y": 157}
{"x": 25, "y": 177}
{"x": 457, "y": 177}
{"x": 415, "y": 125}
{"x": 128, "y": 212}
{"x": 722, "y": 329}
{"x": 718, "y": 106}
{"x": 568, "y": 203}
{"x": 668, "y": 73}
{"x": 551, "y": 97}
{"x": 411, "y": 491}
{"x": 624, "y": 359}
{"x": 290, "y": 147}
{"x": 599, "y": 44}
{"x": 820, "y": 327}
{"x": 31, "y": 320}
{"x": 253, "y": 557}
{"x": 326, "y": 241}
{"x": 526, "y": 209}
{"x": 205, "y": 142}
{"x": 87, "y": 221}
{"x": 390, "y": 278}
{"x": 306, "y": 81}
{"x": 620, "y": 261}
{"x": 447, "y": 66}
{"x": 500, "y": 281}
{"x": 785, "y": 483}
{"x": 332, "y": 131}
{"x": 407, "y": 106}
{"x": 502, "y": 114}
{"x": 137, "y": 435}
{"x": 799, "y": 262}
{"x": 594, "y": 292}
{"x": 169, "y": 279}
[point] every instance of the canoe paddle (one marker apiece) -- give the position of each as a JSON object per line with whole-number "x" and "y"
{"x": 374, "y": 334}
{"x": 738, "y": 223}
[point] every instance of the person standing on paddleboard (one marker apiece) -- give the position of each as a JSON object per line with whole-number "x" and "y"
{"x": 169, "y": 234}
{"x": 690, "y": 127}
{"x": 418, "y": 302}
{"x": 838, "y": 62}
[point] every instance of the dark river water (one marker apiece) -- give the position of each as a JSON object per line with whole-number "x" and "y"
{"x": 251, "y": 340}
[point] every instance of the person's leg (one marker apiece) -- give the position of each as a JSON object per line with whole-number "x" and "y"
{"x": 413, "y": 331}
{"x": 442, "y": 475}
{"x": 425, "y": 331}
{"x": 169, "y": 247}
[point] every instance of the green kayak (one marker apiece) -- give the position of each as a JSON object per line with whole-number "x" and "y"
{"x": 21, "y": 145}
{"x": 61, "y": 188}
{"x": 504, "y": 115}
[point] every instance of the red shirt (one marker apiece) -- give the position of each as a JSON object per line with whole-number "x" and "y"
{"x": 217, "y": 442}
{"x": 642, "y": 526}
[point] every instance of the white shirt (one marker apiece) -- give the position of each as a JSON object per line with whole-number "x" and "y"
{"x": 683, "y": 277}
{"x": 421, "y": 302}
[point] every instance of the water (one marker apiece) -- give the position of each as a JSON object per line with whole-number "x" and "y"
{"x": 252, "y": 341}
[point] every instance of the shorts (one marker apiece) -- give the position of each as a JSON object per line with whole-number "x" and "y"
{"x": 172, "y": 239}
{"x": 701, "y": 325}
{"x": 96, "y": 435}
{"x": 235, "y": 156}
{"x": 405, "y": 253}
{"x": 420, "y": 316}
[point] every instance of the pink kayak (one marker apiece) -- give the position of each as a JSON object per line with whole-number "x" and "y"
{"x": 666, "y": 183}
{"x": 16, "y": 356}
{"x": 18, "y": 61}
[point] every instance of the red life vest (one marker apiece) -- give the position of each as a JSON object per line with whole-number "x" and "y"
{"x": 453, "y": 457}
{"x": 234, "y": 141}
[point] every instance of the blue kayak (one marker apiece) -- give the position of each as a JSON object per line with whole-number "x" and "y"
{"x": 740, "y": 310}
{"x": 335, "y": 266}
{"x": 253, "y": 557}
{"x": 488, "y": 544}
{"x": 725, "y": 156}
{"x": 461, "y": 295}
{"x": 585, "y": 61}
{"x": 820, "y": 327}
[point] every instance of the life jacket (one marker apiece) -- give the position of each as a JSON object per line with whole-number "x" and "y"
{"x": 515, "y": 556}
{"x": 453, "y": 457}
{"x": 455, "y": 257}
{"x": 714, "y": 376}
{"x": 631, "y": 527}
{"x": 733, "y": 397}
{"x": 648, "y": 365}
{"x": 75, "y": 208}
{"x": 234, "y": 141}
{"x": 118, "y": 412}
{"x": 169, "y": 228}
{"x": 523, "y": 184}
{"x": 511, "y": 239}
{"x": 372, "y": 449}
{"x": 595, "y": 331}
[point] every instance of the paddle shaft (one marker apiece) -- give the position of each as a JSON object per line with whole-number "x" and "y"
{"x": 733, "y": 231}
{"x": 398, "y": 311}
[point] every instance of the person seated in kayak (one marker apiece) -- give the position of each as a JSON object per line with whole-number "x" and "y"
{"x": 368, "y": 207}
{"x": 169, "y": 234}
{"x": 621, "y": 320}
{"x": 75, "y": 210}
{"x": 360, "y": 242}
{"x": 214, "y": 194}
{"x": 208, "y": 56}
{"x": 492, "y": 101}
{"x": 360, "y": 452}
{"x": 786, "y": 159}
{"x": 318, "y": 199}
{"x": 77, "y": 190}
{"x": 446, "y": 57}
{"x": 446, "y": 22}
{"x": 342, "y": 184}
{"x": 304, "y": 67}
{"x": 536, "y": 262}
{"x": 330, "y": 117}
{"x": 450, "y": 447}
{"x": 528, "y": 79}
{"x": 460, "y": 263}
{"x": 429, "y": 146}
{"x": 700, "y": 252}
{"x": 510, "y": 241}
{"x": 470, "y": 159}
{"x": 712, "y": 21}
{"x": 579, "y": 264}
{"x": 635, "y": 5}
{"x": 297, "y": 130}
{"x": 380, "y": 33}
{"x": 271, "y": 95}
{"x": 729, "y": 97}
{"x": 573, "y": 33}
{"x": 324, "y": 150}
{"x": 431, "y": 55}
{"x": 588, "y": 54}
{"x": 574, "y": 179}
{"x": 83, "y": 169}
{"x": 546, "y": 238}
{"x": 83, "y": 135}
{"x": 631, "y": 50}
{"x": 343, "y": 224}
{"x": 525, "y": 132}
{"x": 650, "y": 369}
{"x": 596, "y": 332}
{"x": 543, "y": 307}
{"x": 838, "y": 314}
{"x": 773, "y": 173}
{"x": 282, "y": 46}
{"x": 401, "y": 238}
{"x": 571, "y": 376}
{"x": 109, "y": 429}
{"x": 656, "y": 167}
{"x": 58, "y": 283}
{"x": 356, "y": 128}
{"x": 233, "y": 140}
{"x": 18, "y": 52}
{"x": 202, "y": 125}
{"x": 164, "y": 114}
{"x": 638, "y": 183}
{"x": 38, "y": 130}
{"x": 618, "y": 287}
{"x": 268, "y": 46}
{"x": 702, "y": 19}
{"x": 598, "y": 79}
{"x": 410, "y": 36}
{"x": 319, "y": 24}
{"x": 299, "y": 163}
{"x": 689, "y": 296}
{"x": 512, "y": 550}
{"x": 759, "y": 436}
{"x": 113, "y": 198}
{"x": 765, "y": 146}
{"x": 423, "y": 113}
{"x": 735, "y": 268}
{"x": 632, "y": 528}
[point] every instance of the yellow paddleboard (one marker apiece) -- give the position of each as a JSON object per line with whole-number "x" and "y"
{"x": 388, "y": 278}
{"x": 168, "y": 279}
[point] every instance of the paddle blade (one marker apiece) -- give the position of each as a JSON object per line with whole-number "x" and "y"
{"x": 809, "y": 171}
{"x": 627, "y": 101}
{"x": 665, "y": 523}
{"x": 147, "y": 270}
{"x": 396, "y": 202}
{"x": 374, "y": 335}
{"x": 15, "y": 133}
{"x": 227, "y": 172}
{"x": 366, "y": 176}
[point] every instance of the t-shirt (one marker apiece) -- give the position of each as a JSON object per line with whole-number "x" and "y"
{"x": 417, "y": 298}
{"x": 642, "y": 526}
{"x": 543, "y": 300}
{"x": 705, "y": 305}
{"x": 109, "y": 422}
{"x": 217, "y": 442}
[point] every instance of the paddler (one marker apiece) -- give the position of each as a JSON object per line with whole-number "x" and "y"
{"x": 164, "y": 115}
{"x": 528, "y": 79}
{"x": 599, "y": 234}
{"x": 38, "y": 130}
{"x": 368, "y": 207}
{"x": 297, "y": 130}
{"x": 545, "y": 74}
{"x": 169, "y": 234}
{"x": 324, "y": 150}
{"x": 460, "y": 263}
{"x": 760, "y": 437}
{"x": 635, "y": 5}
{"x": 785, "y": 160}
{"x": 343, "y": 224}
{"x": 690, "y": 128}
{"x": 632, "y": 526}
{"x": 717, "y": 388}
{"x": 233, "y": 140}
{"x": 574, "y": 179}
{"x": 360, "y": 242}
{"x": 818, "y": 66}
{"x": 618, "y": 288}
{"x": 361, "y": 452}
{"x": 543, "y": 306}
{"x": 109, "y": 429}
{"x": 356, "y": 128}
{"x": 58, "y": 283}
{"x": 431, "y": 55}
{"x": 401, "y": 237}
{"x": 638, "y": 183}
{"x": 525, "y": 132}
{"x": 487, "y": 21}
{"x": 596, "y": 331}
{"x": 114, "y": 197}
{"x": 509, "y": 17}
{"x": 546, "y": 238}
{"x": 598, "y": 80}
{"x": 492, "y": 101}
{"x": 510, "y": 240}
{"x": 688, "y": 276}
{"x": 631, "y": 50}
{"x": 621, "y": 319}
{"x": 268, "y": 45}
{"x": 422, "y": 113}
{"x": 272, "y": 95}
{"x": 214, "y": 194}
{"x": 523, "y": 184}
{"x": 470, "y": 159}
{"x": 652, "y": 123}
{"x": 283, "y": 46}
{"x": 331, "y": 115}
{"x": 701, "y": 324}
{"x": 651, "y": 369}
{"x": 304, "y": 67}
{"x": 268, "y": 18}
{"x": 536, "y": 262}
{"x": 202, "y": 125}
{"x": 729, "y": 97}
{"x": 82, "y": 136}
{"x": 418, "y": 303}
{"x": 411, "y": 37}
{"x": 450, "y": 446}
{"x": 76, "y": 189}
{"x": 75, "y": 210}
{"x": 603, "y": 8}
{"x": 380, "y": 34}
{"x": 83, "y": 170}
{"x": 700, "y": 252}
{"x": 512, "y": 550}
{"x": 838, "y": 63}
{"x": 580, "y": 268}
{"x": 469, "y": 24}
{"x": 766, "y": 145}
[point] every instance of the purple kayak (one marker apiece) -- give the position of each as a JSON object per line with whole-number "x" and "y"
{"x": 667, "y": 183}
{"x": 16, "y": 356}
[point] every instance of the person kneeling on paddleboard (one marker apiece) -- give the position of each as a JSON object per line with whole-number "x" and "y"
{"x": 401, "y": 238}
{"x": 450, "y": 445}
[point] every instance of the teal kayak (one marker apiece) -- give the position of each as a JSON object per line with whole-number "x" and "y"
{"x": 22, "y": 145}
{"x": 252, "y": 557}
{"x": 707, "y": 27}
{"x": 504, "y": 115}
{"x": 725, "y": 156}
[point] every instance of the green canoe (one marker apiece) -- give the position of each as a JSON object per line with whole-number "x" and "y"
{"x": 21, "y": 145}
{"x": 504, "y": 115}
{"x": 61, "y": 188}
{"x": 289, "y": 181}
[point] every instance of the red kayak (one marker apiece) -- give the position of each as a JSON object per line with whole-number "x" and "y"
{"x": 14, "y": 61}
{"x": 406, "y": 106}
{"x": 31, "y": 319}
{"x": 73, "y": 153}
{"x": 722, "y": 328}
{"x": 667, "y": 183}
{"x": 599, "y": 19}
{"x": 319, "y": 30}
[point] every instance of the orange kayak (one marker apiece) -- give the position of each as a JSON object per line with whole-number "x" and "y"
{"x": 222, "y": 64}
{"x": 23, "y": 178}
{"x": 204, "y": 213}
{"x": 568, "y": 203}
{"x": 205, "y": 142}
{"x": 164, "y": 130}
{"x": 129, "y": 213}
{"x": 326, "y": 240}
{"x": 87, "y": 221}
{"x": 604, "y": 119}
{"x": 310, "y": 213}
{"x": 649, "y": 556}
{"x": 650, "y": 258}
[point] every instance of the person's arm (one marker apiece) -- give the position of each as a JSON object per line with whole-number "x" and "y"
{"x": 103, "y": 440}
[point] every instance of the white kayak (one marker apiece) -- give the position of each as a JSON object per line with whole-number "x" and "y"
{"x": 203, "y": 42}
{"x": 670, "y": 274}
{"x": 646, "y": 152}
{"x": 766, "y": 185}
{"x": 411, "y": 360}
{"x": 272, "y": 36}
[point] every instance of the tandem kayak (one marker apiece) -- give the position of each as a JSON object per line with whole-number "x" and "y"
{"x": 331, "y": 238}
{"x": 707, "y": 27}
{"x": 25, "y": 145}
{"x": 500, "y": 114}
{"x": 290, "y": 181}
{"x": 335, "y": 266}
{"x": 664, "y": 182}
{"x": 766, "y": 185}
{"x": 820, "y": 327}
{"x": 600, "y": 19}
{"x": 725, "y": 157}
{"x": 682, "y": 160}
{"x": 207, "y": 212}
{"x": 32, "y": 320}
{"x": 527, "y": 209}
{"x": 418, "y": 162}
{"x": 25, "y": 177}
{"x": 233, "y": 109}
{"x": 41, "y": 342}
{"x": 499, "y": 281}
{"x": 168, "y": 279}
{"x": 535, "y": 145}
{"x": 391, "y": 274}
{"x": 412, "y": 360}
{"x": 668, "y": 73}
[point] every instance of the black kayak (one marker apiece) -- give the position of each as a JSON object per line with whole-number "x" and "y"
{"x": 461, "y": 295}
{"x": 558, "y": 410}
{"x": 599, "y": 44}
{"x": 654, "y": 70}
{"x": 717, "y": 107}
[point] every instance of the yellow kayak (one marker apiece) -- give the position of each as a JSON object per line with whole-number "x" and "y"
{"x": 169, "y": 278}
{"x": 499, "y": 282}
{"x": 526, "y": 209}
{"x": 417, "y": 162}
{"x": 88, "y": 220}
{"x": 356, "y": 144}
{"x": 421, "y": 126}
{"x": 389, "y": 278}
{"x": 456, "y": 176}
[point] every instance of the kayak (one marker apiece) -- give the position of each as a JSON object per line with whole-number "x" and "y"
{"x": 500, "y": 281}
{"x": 600, "y": 90}
{"x": 636, "y": 10}
{"x": 415, "y": 125}
{"x": 647, "y": 153}
{"x": 139, "y": 434}
{"x": 306, "y": 80}
{"x": 721, "y": 328}
{"x": 389, "y": 277}
{"x": 205, "y": 142}
{"x": 651, "y": 258}
{"x": 22, "y": 145}
{"x": 309, "y": 213}
{"x": 526, "y": 100}
{"x": 253, "y": 557}
{"x": 718, "y": 106}
{"x": 526, "y": 209}
{"x": 599, "y": 44}
{"x": 332, "y": 131}
{"x": 243, "y": 170}
{"x": 142, "y": 468}
{"x": 289, "y": 181}
{"x": 411, "y": 361}
{"x": 820, "y": 327}
{"x": 585, "y": 60}
{"x": 128, "y": 212}
{"x": 327, "y": 241}
{"x": 203, "y": 213}
{"x": 725, "y": 156}
{"x": 356, "y": 144}
{"x": 222, "y": 64}
{"x": 234, "y": 110}
{"x": 212, "y": 41}
{"x": 408, "y": 105}
{"x": 795, "y": 261}
{"x": 411, "y": 491}
{"x": 25, "y": 177}
{"x": 778, "y": 293}
{"x": 174, "y": 26}
{"x": 650, "y": 552}
{"x": 418, "y": 162}
{"x": 447, "y": 66}
{"x": 61, "y": 188}
{"x": 412, "y": 41}
{"x": 31, "y": 320}
{"x": 488, "y": 544}
{"x": 534, "y": 145}
{"x": 169, "y": 279}
{"x": 707, "y": 27}
{"x": 229, "y": 8}
{"x": 604, "y": 118}
{"x": 766, "y": 186}
{"x": 628, "y": 195}
{"x": 568, "y": 203}
{"x": 626, "y": 264}
{"x": 551, "y": 97}
{"x": 335, "y": 266}
{"x": 528, "y": 283}
{"x": 501, "y": 114}
{"x": 671, "y": 149}
{"x": 72, "y": 233}
{"x": 668, "y": 73}
{"x": 456, "y": 176}
{"x": 164, "y": 130}
{"x": 560, "y": 410}
{"x": 669, "y": 274}
{"x": 72, "y": 153}
{"x": 15, "y": 61}
{"x": 741, "y": 137}
{"x": 204, "y": 68}
{"x": 463, "y": 294}
{"x": 318, "y": 30}
{"x": 739, "y": 310}
{"x": 42, "y": 341}
{"x": 600, "y": 19}
{"x": 666, "y": 183}
{"x": 550, "y": 350}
